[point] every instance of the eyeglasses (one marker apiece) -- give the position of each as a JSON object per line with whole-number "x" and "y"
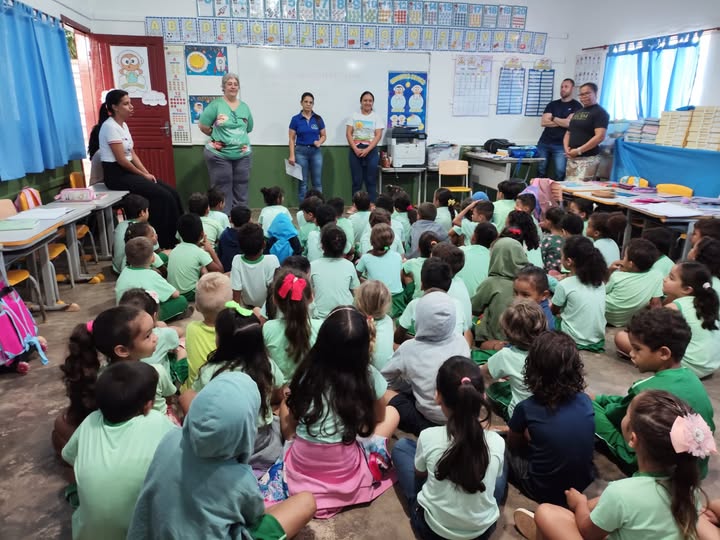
{"x": 581, "y": 94}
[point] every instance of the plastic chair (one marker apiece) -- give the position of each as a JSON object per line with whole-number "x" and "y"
{"x": 455, "y": 167}
{"x": 77, "y": 180}
{"x": 675, "y": 189}
{"x": 15, "y": 277}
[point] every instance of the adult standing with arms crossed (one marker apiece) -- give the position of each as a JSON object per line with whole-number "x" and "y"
{"x": 307, "y": 134}
{"x": 123, "y": 170}
{"x": 228, "y": 120}
{"x": 556, "y": 119}
{"x": 586, "y": 131}
{"x": 363, "y": 132}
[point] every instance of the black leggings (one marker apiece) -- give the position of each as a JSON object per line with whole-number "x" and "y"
{"x": 165, "y": 204}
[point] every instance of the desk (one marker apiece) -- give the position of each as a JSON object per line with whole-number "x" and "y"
{"x": 420, "y": 172}
{"x": 489, "y": 170}
{"x": 77, "y": 212}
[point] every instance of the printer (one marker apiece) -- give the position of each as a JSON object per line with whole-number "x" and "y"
{"x": 406, "y": 146}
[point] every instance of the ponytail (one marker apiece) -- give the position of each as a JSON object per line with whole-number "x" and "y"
{"x": 294, "y": 302}
{"x": 464, "y": 463}
{"x": 80, "y": 372}
{"x": 445, "y": 197}
{"x": 705, "y": 299}
{"x": 521, "y": 227}
{"x": 590, "y": 266}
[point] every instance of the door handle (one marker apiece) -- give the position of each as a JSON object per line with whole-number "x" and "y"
{"x": 166, "y": 128}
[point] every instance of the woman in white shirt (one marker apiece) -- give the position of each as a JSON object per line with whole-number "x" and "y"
{"x": 123, "y": 169}
{"x": 363, "y": 132}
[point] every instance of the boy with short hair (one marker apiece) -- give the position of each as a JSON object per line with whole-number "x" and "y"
{"x": 658, "y": 338}
{"x": 138, "y": 274}
{"x": 508, "y": 190}
{"x": 359, "y": 218}
{"x": 583, "y": 208}
{"x": 662, "y": 239}
{"x": 324, "y": 214}
{"x": 216, "y": 201}
{"x": 463, "y": 228}
{"x": 192, "y": 257}
{"x": 571, "y": 225}
{"x": 345, "y": 224}
{"x": 199, "y": 205}
{"x": 213, "y": 292}
{"x": 477, "y": 256}
{"x": 252, "y": 272}
{"x": 455, "y": 258}
{"x": 111, "y": 450}
{"x": 633, "y": 284}
{"x": 308, "y": 207}
{"x": 706, "y": 226}
{"x": 426, "y": 214}
{"x": 228, "y": 243}
{"x": 137, "y": 208}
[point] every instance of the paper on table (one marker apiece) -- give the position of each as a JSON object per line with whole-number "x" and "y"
{"x": 293, "y": 170}
{"x": 42, "y": 213}
{"x": 17, "y": 224}
{"x": 666, "y": 209}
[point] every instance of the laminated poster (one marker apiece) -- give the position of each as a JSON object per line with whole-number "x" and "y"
{"x": 384, "y": 11}
{"x": 189, "y": 30}
{"x": 354, "y": 11}
{"x": 221, "y": 8}
{"x": 205, "y": 8}
{"x": 428, "y": 39}
{"x": 470, "y": 41}
{"x": 272, "y": 9}
{"x": 485, "y": 42}
{"x": 306, "y": 34}
{"x": 430, "y": 14}
{"x": 384, "y": 38}
{"x": 239, "y": 8}
{"x": 370, "y": 37}
{"x": 519, "y": 17}
{"x": 338, "y": 10}
{"x": 460, "y": 15}
{"x": 370, "y": 11}
{"x": 205, "y": 60}
{"x": 456, "y": 39}
{"x": 490, "y": 16}
{"x": 197, "y": 106}
{"x": 171, "y": 29}
{"x": 257, "y": 33}
{"x": 289, "y": 9}
{"x": 322, "y": 36}
{"x": 415, "y": 12}
{"x": 223, "y": 31}
{"x": 322, "y": 10}
{"x": 272, "y": 33}
{"x": 499, "y": 37}
{"x": 290, "y": 34}
{"x": 443, "y": 39}
{"x": 399, "y": 39}
{"x": 413, "y": 38}
{"x": 445, "y": 14}
{"x": 240, "y": 32}
{"x": 504, "y": 17}
{"x": 153, "y": 26}
{"x": 354, "y": 37}
{"x": 475, "y": 16}
{"x": 339, "y": 36}
{"x": 257, "y": 9}
{"x": 206, "y": 30}
{"x": 130, "y": 69}
{"x": 307, "y": 11}
{"x": 407, "y": 99}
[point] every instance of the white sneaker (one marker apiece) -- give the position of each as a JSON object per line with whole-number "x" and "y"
{"x": 525, "y": 523}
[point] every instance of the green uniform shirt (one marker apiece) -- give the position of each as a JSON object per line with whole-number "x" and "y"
{"x": 466, "y": 230}
{"x": 359, "y": 220}
{"x": 304, "y": 232}
{"x": 510, "y": 362}
{"x": 185, "y": 264}
{"x": 228, "y": 127}
{"x": 477, "y": 264}
{"x": 333, "y": 281}
{"x": 629, "y": 292}
{"x": 221, "y": 218}
{"x": 663, "y": 265}
{"x": 583, "y": 310}
{"x": 212, "y": 229}
{"x": 143, "y": 278}
{"x": 701, "y": 355}
{"x": 346, "y": 225}
{"x": 276, "y": 344}
{"x": 609, "y": 249}
{"x": 268, "y": 215}
{"x": 502, "y": 207}
{"x": 199, "y": 342}
{"x": 443, "y": 218}
{"x": 413, "y": 267}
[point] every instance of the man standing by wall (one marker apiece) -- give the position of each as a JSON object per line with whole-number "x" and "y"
{"x": 555, "y": 120}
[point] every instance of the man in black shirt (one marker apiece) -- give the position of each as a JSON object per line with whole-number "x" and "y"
{"x": 586, "y": 131}
{"x": 555, "y": 120}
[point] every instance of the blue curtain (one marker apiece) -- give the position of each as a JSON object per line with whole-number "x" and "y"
{"x": 644, "y": 78}
{"x": 39, "y": 118}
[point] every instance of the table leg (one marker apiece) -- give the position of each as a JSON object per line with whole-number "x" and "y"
{"x": 105, "y": 249}
{"x": 686, "y": 244}
{"x": 74, "y": 254}
{"x": 628, "y": 233}
{"x": 109, "y": 224}
{"x": 47, "y": 273}
{"x": 508, "y": 171}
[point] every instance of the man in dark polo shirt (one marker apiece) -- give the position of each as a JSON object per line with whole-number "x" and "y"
{"x": 555, "y": 120}
{"x": 586, "y": 131}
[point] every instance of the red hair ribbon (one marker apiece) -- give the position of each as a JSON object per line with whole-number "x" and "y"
{"x": 89, "y": 326}
{"x": 410, "y": 207}
{"x": 514, "y": 230}
{"x": 293, "y": 285}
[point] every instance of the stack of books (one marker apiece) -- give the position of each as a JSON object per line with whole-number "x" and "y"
{"x": 704, "y": 130}
{"x": 650, "y": 130}
{"x": 673, "y": 128}
{"x": 634, "y": 131}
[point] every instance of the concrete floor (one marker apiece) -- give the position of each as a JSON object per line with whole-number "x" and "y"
{"x": 31, "y": 496}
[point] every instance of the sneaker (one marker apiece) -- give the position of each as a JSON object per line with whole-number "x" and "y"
{"x": 525, "y": 523}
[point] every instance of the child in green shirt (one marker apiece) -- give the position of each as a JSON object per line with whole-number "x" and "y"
{"x": 582, "y": 208}
{"x": 137, "y": 208}
{"x": 216, "y": 201}
{"x": 345, "y": 224}
{"x": 508, "y": 190}
{"x": 412, "y": 268}
{"x": 467, "y": 219}
{"x": 662, "y": 239}
{"x": 308, "y": 208}
{"x": 143, "y": 228}
{"x": 360, "y": 214}
{"x": 199, "y": 205}
{"x": 192, "y": 257}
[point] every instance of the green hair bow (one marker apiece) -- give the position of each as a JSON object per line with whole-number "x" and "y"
{"x": 237, "y": 307}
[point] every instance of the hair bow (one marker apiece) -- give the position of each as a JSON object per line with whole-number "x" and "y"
{"x": 691, "y": 434}
{"x": 451, "y": 202}
{"x": 410, "y": 207}
{"x": 154, "y": 296}
{"x": 465, "y": 380}
{"x": 706, "y": 285}
{"x": 514, "y": 230}
{"x": 89, "y": 325}
{"x": 293, "y": 285}
{"x": 237, "y": 307}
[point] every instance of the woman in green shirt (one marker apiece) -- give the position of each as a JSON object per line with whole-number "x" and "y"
{"x": 227, "y": 121}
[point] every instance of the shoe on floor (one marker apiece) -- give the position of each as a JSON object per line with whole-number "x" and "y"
{"x": 525, "y": 523}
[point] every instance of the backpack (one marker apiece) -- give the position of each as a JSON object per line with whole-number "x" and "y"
{"x": 548, "y": 193}
{"x": 493, "y": 145}
{"x": 28, "y": 198}
{"x": 18, "y": 331}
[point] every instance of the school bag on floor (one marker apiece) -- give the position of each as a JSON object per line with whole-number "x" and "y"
{"x": 18, "y": 331}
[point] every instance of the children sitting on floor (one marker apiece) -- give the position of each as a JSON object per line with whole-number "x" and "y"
{"x": 401, "y": 206}
{"x": 466, "y": 221}
{"x": 137, "y": 209}
{"x": 455, "y": 258}
{"x": 199, "y": 205}
{"x": 192, "y": 257}
{"x": 324, "y": 214}
{"x": 445, "y": 203}
{"x": 662, "y": 239}
{"x": 330, "y": 405}
{"x": 707, "y": 252}
{"x": 216, "y": 201}
{"x": 300, "y": 215}
{"x": 308, "y": 208}
{"x": 413, "y": 368}
{"x": 532, "y": 283}
{"x": 705, "y": 227}
{"x": 345, "y": 224}
{"x": 114, "y": 447}
{"x": 508, "y": 190}
{"x": 477, "y": 256}
{"x": 252, "y": 272}
{"x": 413, "y": 267}
{"x": 212, "y": 451}
{"x": 661, "y": 501}
{"x": 384, "y": 264}
{"x": 579, "y": 299}
{"x": 377, "y": 216}
{"x": 658, "y": 341}
{"x": 333, "y": 277}
{"x": 212, "y": 293}
{"x": 138, "y": 274}
{"x": 360, "y": 214}
{"x": 552, "y": 242}
{"x": 385, "y": 202}
{"x": 143, "y": 228}
{"x": 603, "y": 229}
{"x": 632, "y": 285}
{"x": 229, "y": 243}
{"x": 521, "y": 227}
{"x": 273, "y": 197}
{"x": 426, "y": 214}
{"x": 450, "y": 476}
{"x": 557, "y": 416}
{"x": 572, "y": 225}
{"x": 583, "y": 208}
{"x": 373, "y": 299}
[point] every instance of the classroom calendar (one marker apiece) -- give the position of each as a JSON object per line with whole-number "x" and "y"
{"x": 510, "y": 91}
{"x": 177, "y": 94}
{"x": 539, "y": 91}
{"x": 471, "y": 90}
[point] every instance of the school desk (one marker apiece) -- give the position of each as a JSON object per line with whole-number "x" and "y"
{"x": 489, "y": 170}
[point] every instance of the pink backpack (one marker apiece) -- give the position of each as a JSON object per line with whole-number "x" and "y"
{"x": 18, "y": 331}
{"x": 28, "y": 198}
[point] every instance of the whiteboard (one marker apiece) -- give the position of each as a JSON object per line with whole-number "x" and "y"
{"x": 272, "y": 81}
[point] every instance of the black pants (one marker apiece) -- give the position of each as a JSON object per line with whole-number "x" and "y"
{"x": 165, "y": 204}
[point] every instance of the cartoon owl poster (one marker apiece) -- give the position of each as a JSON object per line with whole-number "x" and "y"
{"x": 131, "y": 71}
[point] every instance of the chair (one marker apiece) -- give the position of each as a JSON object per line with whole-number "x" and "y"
{"x": 77, "y": 180}
{"x": 454, "y": 167}
{"x": 16, "y": 277}
{"x": 674, "y": 189}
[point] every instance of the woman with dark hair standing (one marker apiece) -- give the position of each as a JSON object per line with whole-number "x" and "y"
{"x": 123, "y": 170}
{"x": 363, "y": 132}
{"x": 307, "y": 134}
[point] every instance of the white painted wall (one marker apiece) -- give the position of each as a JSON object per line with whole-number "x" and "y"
{"x": 76, "y": 10}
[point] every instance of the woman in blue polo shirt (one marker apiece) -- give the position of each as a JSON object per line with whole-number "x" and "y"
{"x": 307, "y": 133}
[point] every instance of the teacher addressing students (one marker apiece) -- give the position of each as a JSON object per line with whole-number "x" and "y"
{"x": 228, "y": 120}
{"x": 585, "y": 132}
{"x": 363, "y": 132}
{"x": 123, "y": 170}
{"x": 307, "y": 134}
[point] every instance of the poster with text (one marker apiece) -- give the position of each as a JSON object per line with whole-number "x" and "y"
{"x": 131, "y": 70}
{"x": 407, "y": 99}
{"x": 206, "y": 60}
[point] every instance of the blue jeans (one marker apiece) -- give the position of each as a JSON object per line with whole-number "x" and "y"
{"x": 403, "y": 456}
{"x": 556, "y": 152}
{"x": 311, "y": 160}
{"x": 364, "y": 171}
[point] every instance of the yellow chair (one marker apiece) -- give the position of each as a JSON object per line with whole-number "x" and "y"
{"x": 454, "y": 167}
{"x": 77, "y": 180}
{"x": 15, "y": 277}
{"x": 674, "y": 189}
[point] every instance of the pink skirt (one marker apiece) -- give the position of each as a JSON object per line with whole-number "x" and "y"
{"x": 336, "y": 474}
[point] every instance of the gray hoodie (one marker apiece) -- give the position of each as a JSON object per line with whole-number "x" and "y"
{"x": 417, "y": 361}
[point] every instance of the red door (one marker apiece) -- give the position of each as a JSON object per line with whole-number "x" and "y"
{"x": 150, "y": 124}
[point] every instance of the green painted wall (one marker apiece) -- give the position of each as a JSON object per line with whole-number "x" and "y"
{"x": 48, "y": 182}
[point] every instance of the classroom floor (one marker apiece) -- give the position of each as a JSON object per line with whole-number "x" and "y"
{"x": 31, "y": 499}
